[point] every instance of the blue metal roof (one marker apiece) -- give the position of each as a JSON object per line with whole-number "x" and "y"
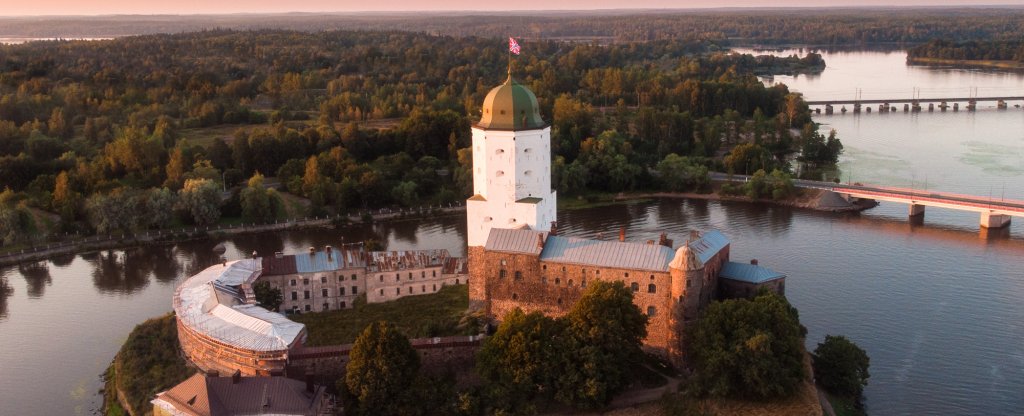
{"x": 615, "y": 254}
{"x": 749, "y": 273}
{"x": 318, "y": 262}
{"x": 709, "y": 244}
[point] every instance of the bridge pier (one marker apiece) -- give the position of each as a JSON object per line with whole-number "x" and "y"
{"x": 856, "y": 108}
{"x": 916, "y": 210}
{"x": 869, "y": 110}
{"x": 990, "y": 220}
{"x": 972, "y": 105}
{"x": 828, "y": 109}
{"x": 906, "y": 108}
{"x": 916, "y": 107}
{"x": 956, "y": 106}
{"x": 1001, "y": 105}
{"x": 943, "y": 106}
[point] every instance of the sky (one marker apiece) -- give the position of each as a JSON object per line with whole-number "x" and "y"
{"x": 105, "y": 7}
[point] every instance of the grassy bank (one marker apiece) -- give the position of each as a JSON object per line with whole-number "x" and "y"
{"x": 844, "y": 406}
{"x": 433, "y": 315}
{"x": 147, "y": 364}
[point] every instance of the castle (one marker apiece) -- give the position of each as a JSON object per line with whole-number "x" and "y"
{"x": 518, "y": 260}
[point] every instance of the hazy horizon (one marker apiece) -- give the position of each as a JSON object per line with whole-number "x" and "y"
{"x": 188, "y": 7}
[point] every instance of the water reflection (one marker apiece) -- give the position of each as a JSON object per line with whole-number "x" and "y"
{"x": 37, "y": 277}
{"x": 62, "y": 260}
{"x": 5, "y": 291}
{"x": 119, "y": 272}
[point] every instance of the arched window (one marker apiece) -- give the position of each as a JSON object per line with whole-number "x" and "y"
{"x": 499, "y": 173}
{"x": 635, "y": 287}
{"x": 558, "y": 281}
{"x": 502, "y": 273}
{"x": 570, "y": 282}
{"x": 398, "y": 291}
{"x": 651, "y": 311}
{"x": 381, "y": 277}
{"x": 559, "y": 301}
{"x": 583, "y": 283}
{"x": 515, "y": 296}
{"x": 423, "y": 289}
{"x": 456, "y": 281}
{"x": 651, "y": 288}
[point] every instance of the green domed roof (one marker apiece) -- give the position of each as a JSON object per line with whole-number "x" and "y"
{"x": 511, "y": 106}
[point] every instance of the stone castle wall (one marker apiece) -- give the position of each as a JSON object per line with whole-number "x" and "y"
{"x": 436, "y": 355}
{"x": 211, "y": 355}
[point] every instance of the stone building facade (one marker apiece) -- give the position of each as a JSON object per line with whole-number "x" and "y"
{"x": 537, "y": 271}
{"x": 331, "y": 279}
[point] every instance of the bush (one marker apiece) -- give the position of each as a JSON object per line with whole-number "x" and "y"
{"x": 841, "y": 367}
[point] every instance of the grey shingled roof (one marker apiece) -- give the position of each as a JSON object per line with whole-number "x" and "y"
{"x": 709, "y": 244}
{"x": 614, "y": 254}
{"x": 523, "y": 241}
{"x": 215, "y": 396}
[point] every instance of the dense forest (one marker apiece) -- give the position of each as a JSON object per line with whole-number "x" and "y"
{"x": 826, "y": 26}
{"x": 159, "y": 131}
{"x": 970, "y": 50}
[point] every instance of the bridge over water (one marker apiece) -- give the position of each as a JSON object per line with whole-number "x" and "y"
{"x": 913, "y": 104}
{"x": 995, "y": 213}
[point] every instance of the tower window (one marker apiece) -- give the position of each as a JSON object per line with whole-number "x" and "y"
{"x": 528, "y": 173}
{"x": 499, "y": 173}
{"x": 519, "y": 275}
{"x": 635, "y": 287}
{"x": 651, "y": 288}
{"x": 651, "y": 311}
{"x": 527, "y": 150}
{"x": 499, "y": 151}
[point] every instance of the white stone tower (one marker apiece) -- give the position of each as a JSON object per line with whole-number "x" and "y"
{"x": 511, "y": 165}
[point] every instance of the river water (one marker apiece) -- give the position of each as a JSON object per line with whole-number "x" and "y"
{"x": 936, "y": 305}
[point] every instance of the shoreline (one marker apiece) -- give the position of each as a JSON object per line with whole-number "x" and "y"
{"x": 986, "y": 64}
{"x": 807, "y": 199}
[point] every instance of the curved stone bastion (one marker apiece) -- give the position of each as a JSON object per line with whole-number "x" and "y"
{"x": 221, "y": 329}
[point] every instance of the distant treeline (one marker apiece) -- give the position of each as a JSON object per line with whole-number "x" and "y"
{"x": 767, "y": 26}
{"x": 1009, "y": 50}
{"x": 159, "y": 131}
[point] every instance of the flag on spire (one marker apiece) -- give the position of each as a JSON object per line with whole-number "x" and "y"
{"x": 513, "y": 46}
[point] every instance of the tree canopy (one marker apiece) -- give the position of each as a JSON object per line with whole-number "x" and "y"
{"x": 751, "y": 349}
{"x": 382, "y": 366}
{"x": 841, "y": 367}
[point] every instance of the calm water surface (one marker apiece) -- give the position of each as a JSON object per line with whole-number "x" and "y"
{"x": 936, "y": 305}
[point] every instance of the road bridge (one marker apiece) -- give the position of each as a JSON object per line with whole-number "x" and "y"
{"x": 995, "y": 213}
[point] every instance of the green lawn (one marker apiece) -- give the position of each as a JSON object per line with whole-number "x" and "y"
{"x": 433, "y": 315}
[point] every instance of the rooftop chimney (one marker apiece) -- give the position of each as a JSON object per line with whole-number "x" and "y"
{"x": 254, "y": 254}
{"x": 664, "y": 240}
{"x": 753, "y": 261}
{"x": 540, "y": 241}
{"x": 622, "y": 234}
{"x": 237, "y": 377}
{"x": 329, "y": 252}
{"x": 554, "y": 228}
{"x": 312, "y": 250}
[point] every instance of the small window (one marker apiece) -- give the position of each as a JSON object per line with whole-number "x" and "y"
{"x": 687, "y": 282}
{"x": 398, "y": 277}
{"x": 323, "y": 279}
{"x": 519, "y": 275}
{"x": 627, "y": 274}
{"x": 559, "y": 301}
{"x": 341, "y": 278}
{"x": 326, "y": 306}
{"x": 515, "y": 296}
{"x": 323, "y": 292}
{"x": 342, "y": 306}
{"x": 651, "y": 288}
{"x": 583, "y": 283}
{"x": 544, "y": 267}
{"x": 293, "y": 282}
{"x": 435, "y": 288}
{"x": 499, "y": 173}
{"x": 381, "y": 278}
{"x": 635, "y": 287}
{"x": 499, "y": 151}
{"x": 423, "y": 275}
{"x": 308, "y": 308}
{"x": 433, "y": 273}
{"x": 558, "y": 281}
{"x": 305, "y": 281}
{"x": 341, "y": 291}
{"x": 544, "y": 280}
{"x": 528, "y": 173}
{"x": 305, "y": 295}
{"x": 355, "y": 290}
{"x": 295, "y": 295}
{"x": 651, "y": 311}
{"x": 353, "y": 277}
{"x": 382, "y": 292}
{"x": 457, "y": 281}
{"x": 410, "y": 290}
{"x": 398, "y": 291}
{"x": 597, "y": 272}
{"x": 652, "y": 277}
{"x": 423, "y": 289}
{"x": 527, "y": 150}
{"x": 563, "y": 268}
{"x": 570, "y": 282}
{"x": 502, "y": 273}
{"x": 410, "y": 275}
